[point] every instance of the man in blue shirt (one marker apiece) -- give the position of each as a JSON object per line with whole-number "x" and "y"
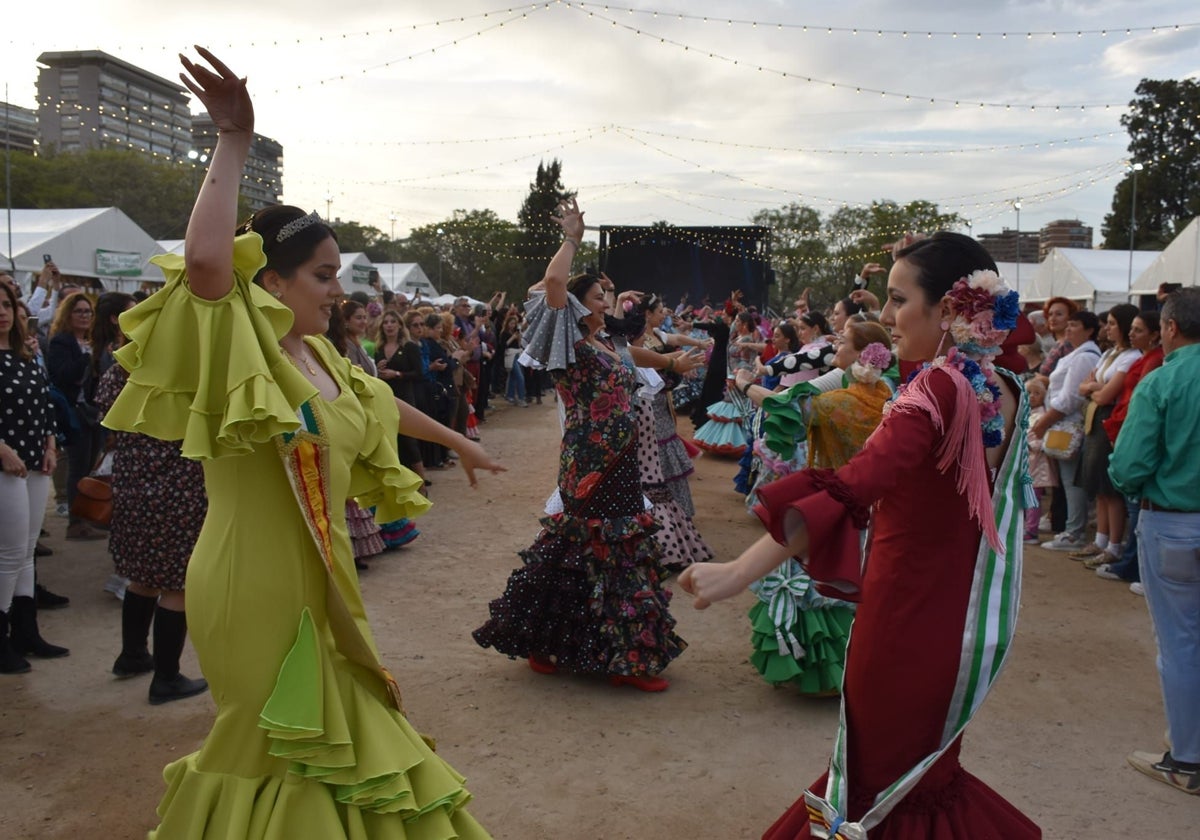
{"x": 1157, "y": 458}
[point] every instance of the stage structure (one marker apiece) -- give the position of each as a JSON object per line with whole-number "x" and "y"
{"x": 700, "y": 262}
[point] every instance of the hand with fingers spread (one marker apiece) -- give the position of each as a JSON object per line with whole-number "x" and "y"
{"x": 223, "y": 94}
{"x": 569, "y": 217}
{"x": 474, "y": 457}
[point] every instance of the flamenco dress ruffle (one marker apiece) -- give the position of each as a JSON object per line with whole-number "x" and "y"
{"x": 308, "y": 741}
{"x": 818, "y": 629}
{"x": 365, "y": 535}
{"x": 681, "y": 543}
{"x": 398, "y": 533}
{"x": 723, "y": 433}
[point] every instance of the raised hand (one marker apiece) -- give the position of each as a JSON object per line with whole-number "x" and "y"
{"x": 569, "y": 217}
{"x": 223, "y": 94}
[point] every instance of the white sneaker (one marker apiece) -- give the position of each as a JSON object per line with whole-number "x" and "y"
{"x": 1105, "y": 571}
{"x": 116, "y": 585}
{"x": 1044, "y": 524}
{"x": 1064, "y": 542}
{"x": 62, "y": 510}
{"x": 1137, "y": 589}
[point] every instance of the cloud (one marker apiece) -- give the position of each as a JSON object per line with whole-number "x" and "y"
{"x": 1153, "y": 54}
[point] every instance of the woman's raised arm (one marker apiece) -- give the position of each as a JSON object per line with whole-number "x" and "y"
{"x": 570, "y": 219}
{"x": 208, "y": 248}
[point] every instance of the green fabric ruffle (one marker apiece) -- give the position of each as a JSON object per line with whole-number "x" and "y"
{"x": 821, "y": 631}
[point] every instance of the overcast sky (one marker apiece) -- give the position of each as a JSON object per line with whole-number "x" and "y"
{"x": 417, "y": 108}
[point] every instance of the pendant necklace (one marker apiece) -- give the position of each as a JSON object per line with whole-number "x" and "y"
{"x": 307, "y": 364}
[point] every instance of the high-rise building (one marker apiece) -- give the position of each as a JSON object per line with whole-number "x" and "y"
{"x": 18, "y": 128}
{"x": 89, "y": 99}
{"x": 262, "y": 179}
{"x": 1064, "y": 233}
{"x": 1011, "y": 246}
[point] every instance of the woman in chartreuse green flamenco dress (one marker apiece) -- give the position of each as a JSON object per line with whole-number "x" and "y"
{"x": 309, "y": 739}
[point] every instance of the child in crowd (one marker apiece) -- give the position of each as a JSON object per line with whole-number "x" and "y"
{"x": 1040, "y": 469}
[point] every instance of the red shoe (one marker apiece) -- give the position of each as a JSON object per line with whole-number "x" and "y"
{"x": 640, "y": 683}
{"x": 542, "y": 664}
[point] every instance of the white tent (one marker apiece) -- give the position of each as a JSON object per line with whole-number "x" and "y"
{"x": 97, "y": 242}
{"x": 355, "y": 273}
{"x": 407, "y": 278}
{"x": 171, "y": 246}
{"x": 1098, "y": 278}
{"x": 1179, "y": 263}
{"x": 1017, "y": 278}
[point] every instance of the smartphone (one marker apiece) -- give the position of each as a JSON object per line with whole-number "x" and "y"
{"x": 31, "y": 325}
{"x": 46, "y": 258}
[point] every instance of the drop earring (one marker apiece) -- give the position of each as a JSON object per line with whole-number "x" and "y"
{"x": 277, "y": 295}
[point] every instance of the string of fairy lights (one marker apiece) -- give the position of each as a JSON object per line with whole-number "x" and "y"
{"x": 979, "y": 206}
{"x": 879, "y": 32}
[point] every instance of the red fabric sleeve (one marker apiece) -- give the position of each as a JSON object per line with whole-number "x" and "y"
{"x": 834, "y": 506}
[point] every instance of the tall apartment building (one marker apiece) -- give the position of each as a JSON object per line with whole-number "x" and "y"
{"x": 89, "y": 99}
{"x": 262, "y": 179}
{"x": 1011, "y": 245}
{"x": 1063, "y": 233}
{"x": 18, "y": 127}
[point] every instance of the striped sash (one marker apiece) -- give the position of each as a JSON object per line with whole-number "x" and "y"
{"x": 990, "y": 625}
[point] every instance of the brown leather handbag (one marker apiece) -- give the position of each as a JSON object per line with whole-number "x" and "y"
{"x": 94, "y": 499}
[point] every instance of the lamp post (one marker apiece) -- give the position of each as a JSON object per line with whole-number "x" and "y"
{"x": 198, "y": 159}
{"x": 440, "y": 233}
{"x": 392, "y": 251}
{"x": 328, "y": 206}
{"x": 1017, "y": 207}
{"x": 1134, "y": 168}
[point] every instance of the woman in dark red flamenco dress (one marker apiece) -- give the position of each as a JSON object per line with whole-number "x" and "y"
{"x": 941, "y": 484}
{"x": 589, "y": 597}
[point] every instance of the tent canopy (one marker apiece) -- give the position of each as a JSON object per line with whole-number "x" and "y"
{"x": 406, "y": 277}
{"x": 1179, "y": 263}
{"x": 355, "y": 273}
{"x": 100, "y": 242}
{"x": 1100, "y": 278}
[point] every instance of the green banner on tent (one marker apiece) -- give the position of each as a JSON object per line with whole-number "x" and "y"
{"x": 118, "y": 263}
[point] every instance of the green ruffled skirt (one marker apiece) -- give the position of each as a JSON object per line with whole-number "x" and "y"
{"x": 822, "y": 633}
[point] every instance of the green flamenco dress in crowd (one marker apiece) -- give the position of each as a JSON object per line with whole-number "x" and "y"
{"x": 309, "y": 739}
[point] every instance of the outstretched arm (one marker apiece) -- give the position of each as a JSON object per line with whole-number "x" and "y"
{"x": 423, "y": 427}
{"x": 708, "y": 583}
{"x": 208, "y": 252}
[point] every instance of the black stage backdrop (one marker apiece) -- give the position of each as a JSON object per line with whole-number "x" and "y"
{"x": 700, "y": 262}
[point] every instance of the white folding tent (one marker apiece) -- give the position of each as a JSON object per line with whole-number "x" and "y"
{"x": 355, "y": 273}
{"x": 1178, "y": 263}
{"x": 1100, "y": 279}
{"x": 407, "y": 278}
{"x": 96, "y": 242}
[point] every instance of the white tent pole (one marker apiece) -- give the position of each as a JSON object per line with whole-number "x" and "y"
{"x": 12, "y": 264}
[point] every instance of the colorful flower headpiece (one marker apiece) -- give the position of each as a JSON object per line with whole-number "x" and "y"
{"x": 986, "y": 309}
{"x": 871, "y": 364}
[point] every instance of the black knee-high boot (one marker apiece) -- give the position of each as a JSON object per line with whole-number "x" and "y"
{"x": 170, "y": 630}
{"x": 137, "y": 614}
{"x": 26, "y": 639}
{"x": 10, "y": 661}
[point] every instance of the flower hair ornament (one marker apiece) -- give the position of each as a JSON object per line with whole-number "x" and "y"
{"x": 871, "y": 364}
{"x": 985, "y": 309}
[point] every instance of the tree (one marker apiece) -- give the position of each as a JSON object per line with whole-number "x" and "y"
{"x": 540, "y": 236}
{"x": 354, "y": 237}
{"x": 797, "y": 251}
{"x": 157, "y": 194}
{"x": 1164, "y": 137}
{"x": 471, "y": 253}
{"x": 825, "y": 256}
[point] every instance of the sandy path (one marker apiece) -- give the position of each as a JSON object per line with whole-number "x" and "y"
{"x": 719, "y": 755}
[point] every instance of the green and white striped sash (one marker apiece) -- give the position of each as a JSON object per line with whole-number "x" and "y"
{"x": 990, "y": 625}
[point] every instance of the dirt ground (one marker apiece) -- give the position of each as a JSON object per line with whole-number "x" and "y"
{"x": 719, "y": 755}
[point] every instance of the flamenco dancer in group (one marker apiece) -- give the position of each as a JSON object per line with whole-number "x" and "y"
{"x": 799, "y": 635}
{"x": 725, "y": 432}
{"x": 589, "y": 597}
{"x": 940, "y": 483}
{"x": 309, "y": 740}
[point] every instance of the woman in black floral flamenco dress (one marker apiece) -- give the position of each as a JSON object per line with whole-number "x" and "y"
{"x": 588, "y": 598}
